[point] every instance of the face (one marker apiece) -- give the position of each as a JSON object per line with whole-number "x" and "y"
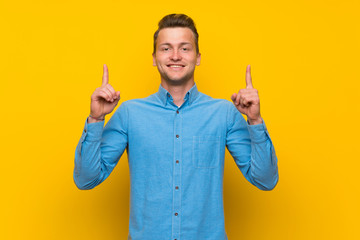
{"x": 175, "y": 55}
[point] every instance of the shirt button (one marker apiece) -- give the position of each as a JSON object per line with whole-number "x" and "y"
{"x": 85, "y": 130}
{"x": 176, "y": 214}
{"x": 177, "y": 161}
{"x": 176, "y": 187}
{"x": 177, "y": 136}
{"x": 177, "y": 111}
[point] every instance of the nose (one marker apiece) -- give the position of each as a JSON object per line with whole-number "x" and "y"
{"x": 175, "y": 56}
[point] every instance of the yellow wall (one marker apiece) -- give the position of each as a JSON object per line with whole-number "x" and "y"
{"x": 305, "y": 64}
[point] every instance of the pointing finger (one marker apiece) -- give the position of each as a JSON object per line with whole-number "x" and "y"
{"x": 105, "y": 78}
{"x": 248, "y": 78}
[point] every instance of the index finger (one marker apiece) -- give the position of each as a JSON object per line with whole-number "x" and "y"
{"x": 248, "y": 77}
{"x": 105, "y": 78}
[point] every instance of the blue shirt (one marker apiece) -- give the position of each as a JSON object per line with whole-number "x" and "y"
{"x": 176, "y": 162}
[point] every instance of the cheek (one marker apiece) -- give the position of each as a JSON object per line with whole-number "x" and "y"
{"x": 192, "y": 59}
{"x": 161, "y": 59}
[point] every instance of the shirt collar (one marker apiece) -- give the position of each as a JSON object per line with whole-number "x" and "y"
{"x": 191, "y": 95}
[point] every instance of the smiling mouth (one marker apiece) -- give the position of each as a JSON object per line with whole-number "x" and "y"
{"x": 175, "y": 66}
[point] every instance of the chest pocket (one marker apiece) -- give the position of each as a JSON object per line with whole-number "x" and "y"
{"x": 206, "y": 151}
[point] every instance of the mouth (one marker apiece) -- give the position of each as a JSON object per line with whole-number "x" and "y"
{"x": 175, "y": 66}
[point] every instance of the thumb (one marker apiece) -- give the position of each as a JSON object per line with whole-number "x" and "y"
{"x": 117, "y": 99}
{"x": 105, "y": 78}
{"x": 233, "y": 97}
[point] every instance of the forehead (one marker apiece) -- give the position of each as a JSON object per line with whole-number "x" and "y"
{"x": 175, "y": 35}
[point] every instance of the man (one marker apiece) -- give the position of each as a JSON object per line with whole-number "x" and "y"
{"x": 175, "y": 141}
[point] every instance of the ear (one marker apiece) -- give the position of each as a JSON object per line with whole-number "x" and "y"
{"x": 198, "y": 58}
{"x": 154, "y": 59}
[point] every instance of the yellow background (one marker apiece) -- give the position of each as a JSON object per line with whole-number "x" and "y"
{"x": 305, "y": 64}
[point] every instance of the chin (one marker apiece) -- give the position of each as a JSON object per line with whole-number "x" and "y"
{"x": 177, "y": 80}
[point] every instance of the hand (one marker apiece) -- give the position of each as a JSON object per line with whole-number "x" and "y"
{"x": 247, "y": 101}
{"x": 104, "y": 99}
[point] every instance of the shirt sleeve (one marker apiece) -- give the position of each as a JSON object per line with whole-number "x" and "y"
{"x": 252, "y": 150}
{"x": 99, "y": 149}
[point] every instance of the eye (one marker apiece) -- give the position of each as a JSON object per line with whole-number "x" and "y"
{"x": 185, "y": 49}
{"x": 166, "y": 49}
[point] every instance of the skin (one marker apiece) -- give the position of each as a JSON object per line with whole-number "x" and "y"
{"x": 176, "y": 47}
{"x": 175, "y": 58}
{"x": 103, "y": 100}
{"x": 247, "y": 100}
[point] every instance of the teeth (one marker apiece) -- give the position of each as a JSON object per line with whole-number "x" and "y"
{"x": 176, "y": 66}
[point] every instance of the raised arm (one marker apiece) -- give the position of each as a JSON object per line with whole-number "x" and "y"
{"x": 250, "y": 144}
{"x": 99, "y": 149}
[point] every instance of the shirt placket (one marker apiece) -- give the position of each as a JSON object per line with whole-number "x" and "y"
{"x": 177, "y": 176}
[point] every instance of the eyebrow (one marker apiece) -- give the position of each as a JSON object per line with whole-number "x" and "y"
{"x": 181, "y": 44}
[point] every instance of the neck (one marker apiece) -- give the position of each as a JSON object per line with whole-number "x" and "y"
{"x": 178, "y": 91}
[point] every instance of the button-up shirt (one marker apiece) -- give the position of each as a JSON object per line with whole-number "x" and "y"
{"x": 176, "y": 162}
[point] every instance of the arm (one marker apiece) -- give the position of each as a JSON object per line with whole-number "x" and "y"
{"x": 252, "y": 150}
{"x": 250, "y": 144}
{"x": 99, "y": 150}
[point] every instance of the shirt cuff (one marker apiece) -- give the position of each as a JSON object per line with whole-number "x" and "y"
{"x": 93, "y": 131}
{"x": 258, "y": 133}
